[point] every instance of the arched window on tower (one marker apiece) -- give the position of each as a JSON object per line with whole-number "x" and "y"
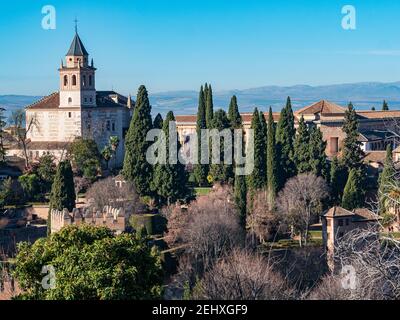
{"x": 74, "y": 80}
{"x": 90, "y": 80}
{"x": 84, "y": 81}
{"x": 65, "y": 80}
{"x": 69, "y": 100}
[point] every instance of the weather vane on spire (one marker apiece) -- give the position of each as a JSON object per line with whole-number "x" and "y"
{"x": 76, "y": 25}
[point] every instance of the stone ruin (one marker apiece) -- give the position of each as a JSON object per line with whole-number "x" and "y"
{"x": 112, "y": 218}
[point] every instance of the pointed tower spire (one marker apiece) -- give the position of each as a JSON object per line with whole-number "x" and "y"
{"x": 92, "y": 63}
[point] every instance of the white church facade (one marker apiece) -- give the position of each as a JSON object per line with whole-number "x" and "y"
{"x": 77, "y": 110}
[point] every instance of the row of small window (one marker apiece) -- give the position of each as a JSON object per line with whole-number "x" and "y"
{"x": 109, "y": 126}
{"x": 340, "y": 222}
{"x": 85, "y": 99}
{"x": 74, "y": 80}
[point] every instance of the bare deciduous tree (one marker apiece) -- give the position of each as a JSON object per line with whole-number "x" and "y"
{"x": 301, "y": 201}
{"x": 23, "y": 125}
{"x": 243, "y": 275}
{"x": 106, "y": 193}
{"x": 263, "y": 221}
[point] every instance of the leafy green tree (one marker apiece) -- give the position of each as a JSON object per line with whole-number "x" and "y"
{"x": 338, "y": 179}
{"x": 234, "y": 116}
{"x": 8, "y": 194}
{"x": 318, "y": 153}
{"x": 272, "y": 160}
{"x": 30, "y": 184}
{"x": 170, "y": 180}
{"x": 209, "y": 106}
{"x": 257, "y": 179}
{"x": 240, "y": 194}
{"x": 352, "y": 154}
{"x": 85, "y": 157}
{"x": 387, "y": 180}
{"x": 62, "y": 191}
{"x": 285, "y": 136}
{"x": 385, "y": 106}
{"x": 106, "y": 153}
{"x": 353, "y": 195}
{"x": 136, "y": 167}
{"x": 90, "y": 263}
{"x": 201, "y": 170}
{"x": 222, "y": 173}
{"x": 46, "y": 168}
{"x": 302, "y": 157}
{"x": 158, "y": 122}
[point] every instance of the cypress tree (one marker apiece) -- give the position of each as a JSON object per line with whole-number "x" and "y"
{"x": 386, "y": 179}
{"x": 272, "y": 161}
{"x": 234, "y": 116}
{"x": 62, "y": 194}
{"x": 136, "y": 168}
{"x": 385, "y": 106}
{"x": 302, "y": 156}
{"x": 352, "y": 153}
{"x": 201, "y": 170}
{"x": 222, "y": 173}
{"x": 338, "y": 178}
{"x": 158, "y": 122}
{"x": 353, "y": 192}
{"x": 240, "y": 193}
{"x": 258, "y": 177}
{"x": 264, "y": 129}
{"x": 317, "y": 153}
{"x": 170, "y": 180}
{"x": 209, "y": 106}
{"x": 285, "y": 136}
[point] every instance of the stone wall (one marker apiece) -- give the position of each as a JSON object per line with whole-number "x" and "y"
{"x": 112, "y": 218}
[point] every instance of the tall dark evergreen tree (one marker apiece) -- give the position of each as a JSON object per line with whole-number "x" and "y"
{"x": 136, "y": 168}
{"x": 209, "y": 106}
{"x": 234, "y": 116}
{"x": 385, "y": 106}
{"x": 318, "y": 153}
{"x": 264, "y": 129}
{"x": 272, "y": 160}
{"x": 158, "y": 122}
{"x": 353, "y": 194}
{"x": 240, "y": 191}
{"x": 258, "y": 177}
{"x": 387, "y": 180}
{"x": 201, "y": 170}
{"x": 352, "y": 153}
{"x": 222, "y": 172}
{"x": 302, "y": 157}
{"x": 62, "y": 194}
{"x": 170, "y": 180}
{"x": 338, "y": 179}
{"x": 285, "y": 136}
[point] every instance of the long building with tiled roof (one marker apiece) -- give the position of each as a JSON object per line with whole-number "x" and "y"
{"x": 375, "y": 126}
{"x": 76, "y": 110}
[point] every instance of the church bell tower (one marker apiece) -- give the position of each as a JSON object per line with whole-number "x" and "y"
{"x": 77, "y": 77}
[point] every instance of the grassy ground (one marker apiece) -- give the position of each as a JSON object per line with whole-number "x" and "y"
{"x": 314, "y": 241}
{"x": 202, "y": 191}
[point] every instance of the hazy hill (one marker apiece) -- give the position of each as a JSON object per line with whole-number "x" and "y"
{"x": 363, "y": 95}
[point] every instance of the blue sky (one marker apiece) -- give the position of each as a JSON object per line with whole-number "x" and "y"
{"x": 179, "y": 44}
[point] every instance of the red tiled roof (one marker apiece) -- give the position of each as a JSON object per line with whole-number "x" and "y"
{"x": 323, "y": 107}
{"x": 375, "y": 156}
{"x": 379, "y": 114}
{"x": 50, "y": 102}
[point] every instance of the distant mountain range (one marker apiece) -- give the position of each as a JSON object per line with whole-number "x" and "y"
{"x": 363, "y": 95}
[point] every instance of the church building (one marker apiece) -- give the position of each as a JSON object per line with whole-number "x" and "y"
{"x": 77, "y": 110}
